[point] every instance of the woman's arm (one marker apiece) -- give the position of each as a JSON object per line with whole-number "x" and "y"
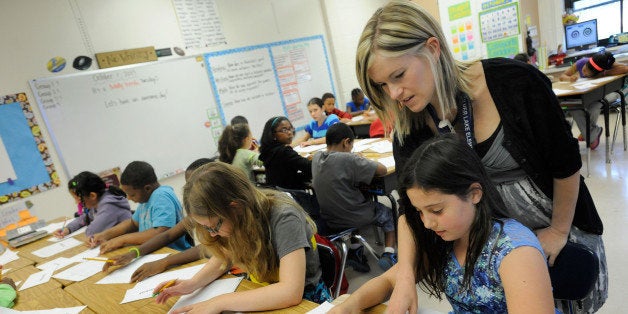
{"x": 313, "y": 141}
{"x": 404, "y": 297}
{"x": 554, "y": 237}
{"x": 302, "y": 139}
{"x": 526, "y": 281}
{"x": 373, "y": 292}
{"x": 287, "y": 292}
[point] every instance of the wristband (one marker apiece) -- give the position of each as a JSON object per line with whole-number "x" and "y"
{"x": 136, "y": 250}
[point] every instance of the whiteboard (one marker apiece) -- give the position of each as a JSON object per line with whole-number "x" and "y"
{"x": 161, "y": 112}
{"x": 274, "y": 79}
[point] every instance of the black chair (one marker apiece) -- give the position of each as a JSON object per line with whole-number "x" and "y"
{"x": 573, "y": 276}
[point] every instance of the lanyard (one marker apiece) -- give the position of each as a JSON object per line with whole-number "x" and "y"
{"x": 464, "y": 111}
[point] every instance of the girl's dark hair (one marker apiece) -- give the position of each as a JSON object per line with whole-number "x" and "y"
{"x": 355, "y": 93}
{"x": 87, "y": 182}
{"x": 138, "y": 174}
{"x": 199, "y": 162}
{"x": 447, "y": 165}
{"x": 239, "y": 120}
{"x": 268, "y": 135}
{"x": 327, "y": 96}
{"x": 315, "y": 101}
{"x": 337, "y": 133}
{"x": 231, "y": 140}
{"x": 603, "y": 60}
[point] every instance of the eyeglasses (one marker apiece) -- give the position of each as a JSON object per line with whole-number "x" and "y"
{"x": 214, "y": 229}
{"x": 285, "y": 130}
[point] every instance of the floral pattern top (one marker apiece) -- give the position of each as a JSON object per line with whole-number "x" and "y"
{"x": 486, "y": 294}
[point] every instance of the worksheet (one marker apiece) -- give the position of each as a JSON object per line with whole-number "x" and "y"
{"x": 57, "y": 248}
{"x": 123, "y": 274}
{"x": 214, "y": 289}
{"x": 144, "y": 289}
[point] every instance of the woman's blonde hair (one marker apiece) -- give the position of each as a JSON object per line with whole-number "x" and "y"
{"x": 402, "y": 27}
{"x": 211, "y": 191}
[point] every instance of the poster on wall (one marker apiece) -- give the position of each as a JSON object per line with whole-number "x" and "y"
{"x": 499, "y": 22}
{"x": 461, "y": 29}
{"x": 25, "y": 164}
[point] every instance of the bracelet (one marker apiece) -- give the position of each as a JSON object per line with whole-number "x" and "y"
{"x": 136, "y": 250}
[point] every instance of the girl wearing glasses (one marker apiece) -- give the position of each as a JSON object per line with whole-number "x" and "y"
{"x": 261, "y": 231}
{"x": 285, "y": 168}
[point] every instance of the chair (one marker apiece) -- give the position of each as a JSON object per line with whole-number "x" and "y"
{"x": 332, "y": 265}
{"x": 573, "y": 276}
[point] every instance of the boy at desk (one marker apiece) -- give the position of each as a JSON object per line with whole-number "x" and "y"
{"x": 336, "y": 173}
{"x": 158, "y": 210}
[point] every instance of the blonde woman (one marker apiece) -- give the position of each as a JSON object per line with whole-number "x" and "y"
{"x": 503, "y": 108}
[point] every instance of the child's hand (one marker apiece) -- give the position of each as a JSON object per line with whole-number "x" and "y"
{"x": 60, "y": 233}
{"x": 110, "y": 245}
{"x": 148, "y": 270}
{"x": 119, "y": 260}
{"x": 180, "y": 287}
{"x": 9, "y": 281}
{"x": 95, "y": 240}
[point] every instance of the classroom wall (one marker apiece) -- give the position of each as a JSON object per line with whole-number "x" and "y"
{"x": 36, "y": 31}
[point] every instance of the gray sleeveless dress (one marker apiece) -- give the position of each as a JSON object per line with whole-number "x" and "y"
{"x": 532, "y": 208}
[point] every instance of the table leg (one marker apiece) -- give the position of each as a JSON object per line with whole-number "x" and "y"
{"x": 623, "y": 117}
{"x": 607, "y": 132}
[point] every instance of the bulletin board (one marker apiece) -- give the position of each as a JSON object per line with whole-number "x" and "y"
{"x": 26, "y": 167}
{"x": 274, "y": 79}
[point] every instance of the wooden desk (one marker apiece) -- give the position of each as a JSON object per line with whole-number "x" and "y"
{"x": 17, "y": 264}
{"x": 381, "y": 308}
{"x": 33, "y": 292}
{"x": 107, "y": 298}
{"x": 594, "y": 93}
{"x": 54, "y": 298}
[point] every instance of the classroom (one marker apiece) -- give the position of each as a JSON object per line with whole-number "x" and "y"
{"x": 95, "y": 85}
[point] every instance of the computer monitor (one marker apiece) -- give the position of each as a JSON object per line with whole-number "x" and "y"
{"x": 580, "y": 36}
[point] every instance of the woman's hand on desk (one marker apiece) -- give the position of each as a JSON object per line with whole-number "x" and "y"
{"x": 120, "y": 260}
{"x": 148, "y": 270}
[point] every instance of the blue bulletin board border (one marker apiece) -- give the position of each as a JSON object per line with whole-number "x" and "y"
{"x": 27, "y": 150}
{"x": 269, "y": 47}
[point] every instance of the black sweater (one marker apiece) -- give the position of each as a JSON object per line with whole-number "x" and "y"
{"x": 285, "y": 168}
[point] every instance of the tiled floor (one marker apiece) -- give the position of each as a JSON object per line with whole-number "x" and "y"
{"x": 609, "y": 186}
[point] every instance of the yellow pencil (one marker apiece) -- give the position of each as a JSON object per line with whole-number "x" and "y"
{"x": 168, "y": 284}
{"x": 99, "y": 259}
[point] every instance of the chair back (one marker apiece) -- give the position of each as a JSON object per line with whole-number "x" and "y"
{"x": 331, "y": 261}
{"x": 574, "y": 273}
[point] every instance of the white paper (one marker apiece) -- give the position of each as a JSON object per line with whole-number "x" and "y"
{"x": 309, "y": 149}
{"x": 67, "y": 310}
{"x": 321, "y": 309}
{"x": 214, "y": 289}
{"x": 560, "y": 92}
{"x": 57, "y": 248}
{"x": 382, "y": 147}
{"x": 80, "y": 257}
{"x": 81, "y": 271}
{"x": 123, "y": 274}
{"x": 357, "y": 118}
{"x": 52, "y": 227}
{"x": 56, "y": 263}
{"x": 77, "y": 232}
{"x": 37, "y": 279}
{"x": 144, "y": 289}
{"x": 8, "y": 256}
{"x": 365, "y": 141}
{"x": 387, "y": 161}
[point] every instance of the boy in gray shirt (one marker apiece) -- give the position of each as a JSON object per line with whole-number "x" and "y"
{"x": 336, "y": 174}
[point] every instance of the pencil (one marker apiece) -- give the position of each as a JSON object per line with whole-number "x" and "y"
{"x": 168, "y": 284}
{"x": 99, "y": 259}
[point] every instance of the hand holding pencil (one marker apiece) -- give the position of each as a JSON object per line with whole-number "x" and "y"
{"x": 173, "y": 288}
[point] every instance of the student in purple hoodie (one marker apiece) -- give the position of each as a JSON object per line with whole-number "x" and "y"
{"x": 103, "y": 207}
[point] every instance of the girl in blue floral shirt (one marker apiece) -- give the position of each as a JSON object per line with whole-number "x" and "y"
{"x": 481, "y": 264}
